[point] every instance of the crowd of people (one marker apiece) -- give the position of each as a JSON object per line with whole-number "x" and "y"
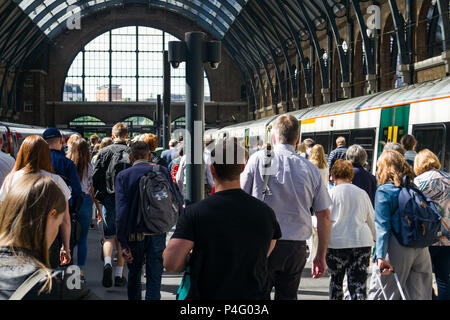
{"x": 264, "y": 215}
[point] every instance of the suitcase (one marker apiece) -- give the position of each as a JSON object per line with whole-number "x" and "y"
{"x": 378, "y": 276}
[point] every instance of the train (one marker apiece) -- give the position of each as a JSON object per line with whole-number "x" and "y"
{"x": 422, "y": 110}
{"x": 13, "y": 135}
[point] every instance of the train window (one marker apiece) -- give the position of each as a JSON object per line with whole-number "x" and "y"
{"x": 324, "y": 140}
{"x": 366, "y": 139}
{"x": 436, "y": 139}
{"x": 345, "y": 134}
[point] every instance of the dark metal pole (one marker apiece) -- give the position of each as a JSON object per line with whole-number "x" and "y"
{"x": 158, "y": 118}
{"x": 194, "y": 117}
{"x": 166, "y": 119}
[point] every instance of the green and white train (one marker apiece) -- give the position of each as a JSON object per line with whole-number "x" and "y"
{"x": 420, "y": 109}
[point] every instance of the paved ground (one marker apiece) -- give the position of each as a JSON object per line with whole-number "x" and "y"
{"x": 310, "y": 289}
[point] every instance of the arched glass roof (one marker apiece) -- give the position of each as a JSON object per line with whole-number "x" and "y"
{"x": 254, "y": 32}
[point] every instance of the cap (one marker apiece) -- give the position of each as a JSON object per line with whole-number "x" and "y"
{"x": 51, "y": 133}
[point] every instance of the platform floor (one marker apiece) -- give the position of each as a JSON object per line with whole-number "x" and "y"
{"x": 309, "y": 289}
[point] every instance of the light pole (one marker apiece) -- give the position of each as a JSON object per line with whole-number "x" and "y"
{"x": 195, "y": 51}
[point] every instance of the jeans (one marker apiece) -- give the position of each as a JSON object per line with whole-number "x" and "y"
{"x": 440, "y": 259}
{"x": 84, "y": 219}
{"x": 148, "y": 251}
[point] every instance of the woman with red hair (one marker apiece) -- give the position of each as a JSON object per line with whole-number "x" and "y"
{"x": 34, "y": 157}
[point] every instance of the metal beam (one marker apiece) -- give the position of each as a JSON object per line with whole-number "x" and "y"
{"x": 368, "y": 46}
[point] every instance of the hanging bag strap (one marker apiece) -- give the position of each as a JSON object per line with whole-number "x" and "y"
{"x": 28, "y": 284}
{"x": 267, "y": 165}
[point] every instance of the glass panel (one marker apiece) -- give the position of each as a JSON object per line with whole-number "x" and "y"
{"x": 124, "y": 64}
{"x": 431, "y": 138}
{"x": 150, "y": 44}
{"x": 76, "y": 69}
{"x": 150, "y": 64}
{"x": 73, "y": 89}
{"x": 100, "y": 43}
{"x": 96, "y": 88}
{"x": 149, "y": 88}
{"x": 97, "y": 64}
{"x": 123, "y": 89}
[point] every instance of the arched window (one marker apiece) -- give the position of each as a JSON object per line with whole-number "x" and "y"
{"x": 124, "y": 64}
{"x": 139, "y": 121}
{"x": 86, "y": 121}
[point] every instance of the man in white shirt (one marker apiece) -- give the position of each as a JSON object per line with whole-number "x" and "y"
{"x": 6, "y": 163}
{"x": 293, "y": 189}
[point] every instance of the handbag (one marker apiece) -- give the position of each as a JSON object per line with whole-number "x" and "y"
{"x": 185, "y": 285}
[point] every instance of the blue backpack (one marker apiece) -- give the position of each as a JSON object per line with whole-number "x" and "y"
{"x": 420, "y": 222}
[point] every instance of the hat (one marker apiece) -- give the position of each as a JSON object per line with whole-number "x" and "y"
{"x": 51, "y": 133}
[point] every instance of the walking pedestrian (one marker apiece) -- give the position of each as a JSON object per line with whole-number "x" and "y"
{"x": 412, "y": 265}
{"x": 435, "y": 184}
{"x": 229, "y": 233}
{"x": 139, "y": 245}
{"x": 110, "y": 161}
{"x": 352, "y": 234}
{"x": 30, "y": 217}
{"x": 362, "y": 178}
{"x": 293, "y": 189}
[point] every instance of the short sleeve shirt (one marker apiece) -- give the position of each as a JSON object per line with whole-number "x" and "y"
{"x": 231, "y": 232}
{"x": 294, "y": 188}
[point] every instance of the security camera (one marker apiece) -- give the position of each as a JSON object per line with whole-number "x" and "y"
{"x": 177, "y": 53}
{"x": 213, "y": 53}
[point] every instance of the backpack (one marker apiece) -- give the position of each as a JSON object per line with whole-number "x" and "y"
{"x": 158, "y": 207}
{"x": 120, "y": 160}
{"x": 420, "y": 222}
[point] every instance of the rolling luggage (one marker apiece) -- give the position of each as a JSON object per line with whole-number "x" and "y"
{"x": 397, "y": 281}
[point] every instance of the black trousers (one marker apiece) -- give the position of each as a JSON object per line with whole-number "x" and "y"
{"x": 286, "y": 263}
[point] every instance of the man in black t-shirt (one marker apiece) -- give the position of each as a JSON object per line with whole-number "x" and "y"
{"x": 231, "y": 234}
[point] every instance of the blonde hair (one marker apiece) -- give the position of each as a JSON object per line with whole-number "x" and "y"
{"x": 24, "y": 213}
{"x": 317, "y": 156}
{"x": 392, "y": 167}
{"x": 425, "y": 161}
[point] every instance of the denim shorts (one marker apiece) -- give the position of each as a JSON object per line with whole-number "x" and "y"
{"x": 109, "y": 217}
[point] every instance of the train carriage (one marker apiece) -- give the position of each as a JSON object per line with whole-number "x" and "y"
{"x": 420, "y": 109}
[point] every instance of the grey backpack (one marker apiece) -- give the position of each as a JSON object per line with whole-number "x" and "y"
{"x": 158, "y": 207}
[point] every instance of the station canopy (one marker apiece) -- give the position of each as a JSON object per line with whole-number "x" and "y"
{"x": 254, "y": 32}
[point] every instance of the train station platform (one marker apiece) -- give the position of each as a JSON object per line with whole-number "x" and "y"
{"x": 310, "y": 289}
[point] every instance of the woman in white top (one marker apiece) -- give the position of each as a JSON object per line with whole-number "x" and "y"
{"x": 352, "y": 234}
{"x": 34, "y": 157}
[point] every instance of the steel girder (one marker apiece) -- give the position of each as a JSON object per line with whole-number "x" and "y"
{"x": 284, "y": 50}
{"x": 298, "y": 47}
{"x": 245, "y": 31}
{"x": 443, "y": 7}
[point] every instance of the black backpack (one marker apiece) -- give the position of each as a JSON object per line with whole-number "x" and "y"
{"x": 120, "y": 160}
{"x": 158, "y": 207}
